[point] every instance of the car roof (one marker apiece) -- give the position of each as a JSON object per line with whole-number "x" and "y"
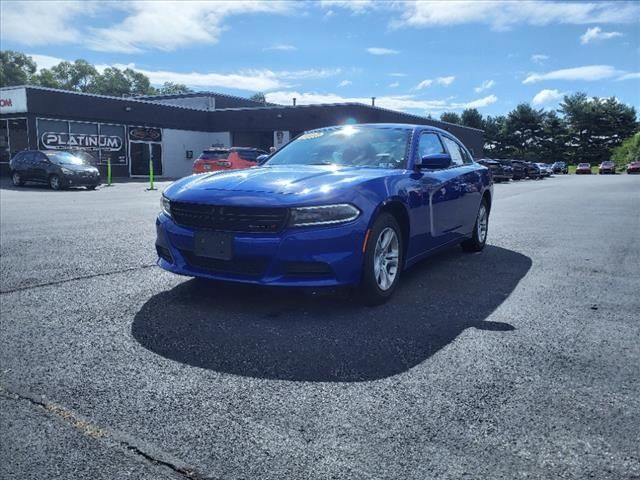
{"x": 406, "y": 126}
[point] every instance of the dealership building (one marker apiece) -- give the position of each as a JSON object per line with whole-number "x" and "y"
{"x": 171, "y": 130}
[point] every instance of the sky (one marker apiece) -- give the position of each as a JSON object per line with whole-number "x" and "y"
{"x": 420, "y": 57}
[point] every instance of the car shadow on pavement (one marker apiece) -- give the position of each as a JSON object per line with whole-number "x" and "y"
{"x": 290, "y": 334}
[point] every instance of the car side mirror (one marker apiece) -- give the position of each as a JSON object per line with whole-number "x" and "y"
{"x": 262, "y": 158}
{"x": 435, "y": 161}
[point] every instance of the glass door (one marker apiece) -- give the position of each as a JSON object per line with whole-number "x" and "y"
{"x": 140, "y": 154}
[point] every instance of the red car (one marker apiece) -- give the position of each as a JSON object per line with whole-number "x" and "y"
{"x": 607, "y": 167}
{"x": 233, "y": 158}
{"x": 583, "y": 169}
{"x": 633, "y": 167}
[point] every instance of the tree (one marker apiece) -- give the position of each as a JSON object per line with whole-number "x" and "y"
{"x": 15, "y": 68}
{"x": 170, "y": 88}
{"x": 523, "y": 131}
{"x": 450, "y": 117}
{"x": 78, "y": 76}
{"x": 494, "y": 142}
{"x": 122, "y": 83}
{"x": 628, "y": 151}
{"x": 553, "y": 142}
{"x": 596, "y": 126}
{"x": 471, "y": 118}
{"x": 258, "y": 97}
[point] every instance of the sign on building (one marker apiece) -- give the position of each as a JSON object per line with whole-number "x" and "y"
{"x": 13, "y": 100}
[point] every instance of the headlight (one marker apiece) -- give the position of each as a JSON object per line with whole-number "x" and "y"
{"x": 66, "y": 171}
{"x": 165, "y": 206}
{"x": 323, "y": 215}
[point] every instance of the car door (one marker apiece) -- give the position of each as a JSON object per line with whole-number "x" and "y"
{"x": 434, "y": 205}
{"x": 470, "y": 184}
{"x": 39, "y": 167}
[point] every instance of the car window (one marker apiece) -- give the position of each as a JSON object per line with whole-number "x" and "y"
{"x": 349, "y": 145}
{"x": 455, "y": 151}
{"x": 214, "y": 155}
{"x": 248, "y": 155}
{"x": 19, "y": 158}
{"x": 430, "y": 144}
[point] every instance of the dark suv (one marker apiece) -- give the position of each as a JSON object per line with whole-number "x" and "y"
{"x": 57, "y": 168}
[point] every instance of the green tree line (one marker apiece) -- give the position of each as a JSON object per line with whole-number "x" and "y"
{"x": 583, "y": 129}
{"x": 80, "y": 76}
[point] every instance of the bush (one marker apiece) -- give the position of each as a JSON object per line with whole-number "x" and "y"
{"x": 629, "y": 151}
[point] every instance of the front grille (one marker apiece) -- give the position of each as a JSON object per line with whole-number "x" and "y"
{"x": 253, "y": 267}
{"x": 229, "y": 219}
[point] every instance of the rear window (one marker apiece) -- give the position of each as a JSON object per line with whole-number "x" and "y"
{"x": 214, "y": 155}
{"x": 249, "y": 155}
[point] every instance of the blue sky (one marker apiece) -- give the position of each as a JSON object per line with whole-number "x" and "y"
{"x": 422, "y": 57}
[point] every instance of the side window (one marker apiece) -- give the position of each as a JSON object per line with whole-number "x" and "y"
{"x": 430, "y": 144}
{"x": 466, "y": 156}
{"x": 28, "y": 158}
{"x": 455, "y": 152}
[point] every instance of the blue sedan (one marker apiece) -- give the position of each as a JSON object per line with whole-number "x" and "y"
{"x": 350, "y": 205}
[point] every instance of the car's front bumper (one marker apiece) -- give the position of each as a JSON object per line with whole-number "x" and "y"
{"x": 80, "y": 180}
{"x": 309, "y": 257}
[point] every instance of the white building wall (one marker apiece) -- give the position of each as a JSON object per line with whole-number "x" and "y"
{"x": 175, "y": 144}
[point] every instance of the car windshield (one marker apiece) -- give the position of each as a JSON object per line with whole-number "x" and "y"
{"x": 65, "y": 158}
{"x": 214, "y": 155}
{"x": 584, "y": 165}
{"x": 350, "y": 145}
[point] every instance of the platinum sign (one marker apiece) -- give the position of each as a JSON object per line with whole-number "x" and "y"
{"x": 108, "y": 143}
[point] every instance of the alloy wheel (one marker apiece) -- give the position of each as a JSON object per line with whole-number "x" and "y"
{"x": 483, "y": 223}
{"x": 386, "y": 258}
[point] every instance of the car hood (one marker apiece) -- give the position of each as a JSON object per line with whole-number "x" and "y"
{"x": 289, "y": 183}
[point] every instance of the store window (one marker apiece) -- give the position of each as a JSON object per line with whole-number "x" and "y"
{"x": 5, "y": 152}
{"x": 103, "y": 142}
{"x": 18, "y": 136}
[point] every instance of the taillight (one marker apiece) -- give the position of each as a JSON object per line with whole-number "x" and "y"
{"x": 224, "y": 163}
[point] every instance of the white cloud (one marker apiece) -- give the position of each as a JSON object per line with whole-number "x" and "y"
{"x": 446, "y": 81}
{"x": 394, "y": 102}
{"x": 539, "y": 58}
{"x": 43, "y": 23}
{"x": 168, "y": 26}
{"x": 545, "y": 97}
{"x": 45, "y": 61}
{"x": 345, "y": 83}
{"x": 355, "y": 6}
{"x": 588, "y": 73}
{"x": 281, "y": 48}
{"x": 486, "y": 85}
{"x": 396, "y": 74}
{"x": 629, "y": 76}
{"x": 595, "y": 34}
{"x": 251, "y": 80}
{"x": 502, "y": 15}
{"x": 382, "y": 51}
{"x": 394, "y": 84}
{"x": 424, "y": 84}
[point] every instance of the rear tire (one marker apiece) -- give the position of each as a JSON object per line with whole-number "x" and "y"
{"x": 55, "y": 182}
{"x": 480, "y": 230}
{"x": 383, "y": 260}
{"x": 17, "y": 180}
{"x": 91, "y": 187}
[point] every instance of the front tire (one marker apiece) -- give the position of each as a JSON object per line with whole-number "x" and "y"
{"x": 16, "y": 179}
{"x": 480, "y": 229}
{"x": 384, "y": 254}
{"x": 55, "y": 183}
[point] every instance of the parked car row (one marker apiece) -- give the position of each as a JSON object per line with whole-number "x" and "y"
{"x": 505, "y": 170}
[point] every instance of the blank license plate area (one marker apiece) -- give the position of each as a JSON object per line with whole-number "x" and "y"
{"x": 213, "y": 245}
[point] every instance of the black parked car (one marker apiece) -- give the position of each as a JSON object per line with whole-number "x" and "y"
{"x": 57, "y": 168}
{"x": 518, "y": 171}
{"x": 560, "y": 167}
{"x": 533, "y": 171}
{"x": 498, "y": 172}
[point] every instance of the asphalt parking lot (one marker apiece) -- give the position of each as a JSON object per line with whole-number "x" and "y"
{"x": 519, "y": 362}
